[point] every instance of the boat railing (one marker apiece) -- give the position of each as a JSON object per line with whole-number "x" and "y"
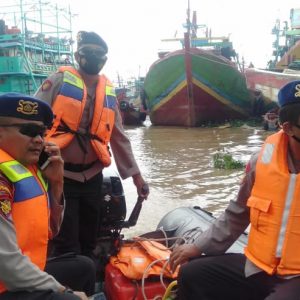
{"x": 31, "y": 42}
{"x": 41, "y": 45}
{"x": 41, "y": 68}
{"x": 30, "y": 51}
{"x": 10, "y": 37}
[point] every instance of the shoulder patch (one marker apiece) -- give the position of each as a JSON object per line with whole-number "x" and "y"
{"x": 6, "y": 198}
{"x": 46, "y": 86}
{"x": 5, "y": 208}
{"x": 4, "y": 189}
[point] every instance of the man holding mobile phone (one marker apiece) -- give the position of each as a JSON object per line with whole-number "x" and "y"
{"x": 31, "y": 209}
{"x": 43, "y": 160}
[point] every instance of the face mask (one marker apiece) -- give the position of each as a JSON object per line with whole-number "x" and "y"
{"x": 91, "y": 64}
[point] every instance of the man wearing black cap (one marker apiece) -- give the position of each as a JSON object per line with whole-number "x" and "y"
{"x": 31, "y": 208}
{"x": 268, "y": 200}
{"x": 87, "y": 119}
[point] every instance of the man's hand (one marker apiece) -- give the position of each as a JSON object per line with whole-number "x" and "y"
{"x": 81, "y": 295}
{"x": 54, "y": 172}
{"x": 141, "y": 186}
{"x": 182, "y": 254}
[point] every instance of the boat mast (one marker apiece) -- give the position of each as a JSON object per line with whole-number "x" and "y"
{"x": 41, "y": 26}
{"x": 24, "y": 31}
{"x": 188, "y": 70}
{"x": 71, "y": 32}
{"x": 23, "y": 24}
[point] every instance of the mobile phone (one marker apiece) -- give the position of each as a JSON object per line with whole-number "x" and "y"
{"x": 43, "y": 160}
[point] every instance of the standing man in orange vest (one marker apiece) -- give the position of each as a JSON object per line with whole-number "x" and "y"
{"x": 87, "y": 120}
{"x": 269, "y": 200}
{"x": 31, "y": 208}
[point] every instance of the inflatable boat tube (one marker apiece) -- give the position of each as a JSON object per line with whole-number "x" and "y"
{"x": 189, "y": 223}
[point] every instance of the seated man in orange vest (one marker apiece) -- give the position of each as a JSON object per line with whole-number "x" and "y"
{"x": 31, "y": 208}
{"x": 269, "y": 200}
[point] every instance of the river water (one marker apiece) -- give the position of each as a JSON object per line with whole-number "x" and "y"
{"x": 177, "y": 162}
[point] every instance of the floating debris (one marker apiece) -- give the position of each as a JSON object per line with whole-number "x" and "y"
{"x": 224, "y": 160}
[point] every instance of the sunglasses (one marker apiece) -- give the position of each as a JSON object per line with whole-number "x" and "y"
{"x": 31, "y": 130}
{"x": 88, "y": 52}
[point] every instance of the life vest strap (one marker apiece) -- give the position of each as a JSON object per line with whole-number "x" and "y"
{"x": 65, "y": 128}
{"x": 80, "y": 136}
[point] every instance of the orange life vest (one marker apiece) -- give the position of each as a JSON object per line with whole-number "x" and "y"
{"x": 29, "y": 210}
{"x": 274, "y": 204}
{"x": 68, "y": 108}
{"x": 143, "y": 258}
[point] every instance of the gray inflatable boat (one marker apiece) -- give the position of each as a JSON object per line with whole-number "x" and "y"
{"x": 188, "y": 223}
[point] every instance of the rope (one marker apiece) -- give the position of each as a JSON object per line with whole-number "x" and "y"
{"x": 165, "y": 261}
{"x": 161, "y": 277}
{"x": 169, "y": 290}
{"x": 165, "y": 235}
{"x": 145, "y": 274}
{"x": 177, "y": 239}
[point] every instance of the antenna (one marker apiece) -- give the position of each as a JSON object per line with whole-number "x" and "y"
{"x": 188, "y": 20}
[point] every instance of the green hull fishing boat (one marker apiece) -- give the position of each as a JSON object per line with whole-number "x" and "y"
{"x": 211, "y": 90}
{"x": 35, "y": 39}
{"x": 198, "y": 84}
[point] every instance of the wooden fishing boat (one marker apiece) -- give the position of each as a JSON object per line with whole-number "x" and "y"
{"x": 198, "y": 84}
{"x": 191, "y": 87}
{"x": 268, "y": 82}
{"x": 33, "y": 44}
{"x": 132, "y": 103}
{"x": 285, "y": 67}
{"x": 287, "y": 43}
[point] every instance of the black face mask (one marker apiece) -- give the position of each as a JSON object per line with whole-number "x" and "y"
{"x": 92, "y": 64}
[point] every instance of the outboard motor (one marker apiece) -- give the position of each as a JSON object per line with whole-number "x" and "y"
{"x": 113, "y": 204}
{"x": 112, "y": 219}
{"x": 187, "y": 223}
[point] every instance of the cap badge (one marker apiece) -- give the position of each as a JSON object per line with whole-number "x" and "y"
{"x": 297, "y": 87}
{"x": 28, "y": 107}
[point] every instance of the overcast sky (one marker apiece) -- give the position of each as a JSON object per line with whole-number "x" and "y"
{"x": 133, "y": 29}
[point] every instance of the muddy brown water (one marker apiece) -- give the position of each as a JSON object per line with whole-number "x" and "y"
{"x": 177, "y": 162}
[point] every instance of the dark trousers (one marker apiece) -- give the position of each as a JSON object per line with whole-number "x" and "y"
{"x": 78, "y": 232}
{"x": 223, "y": 277}
{"x": 74, "y": 271}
